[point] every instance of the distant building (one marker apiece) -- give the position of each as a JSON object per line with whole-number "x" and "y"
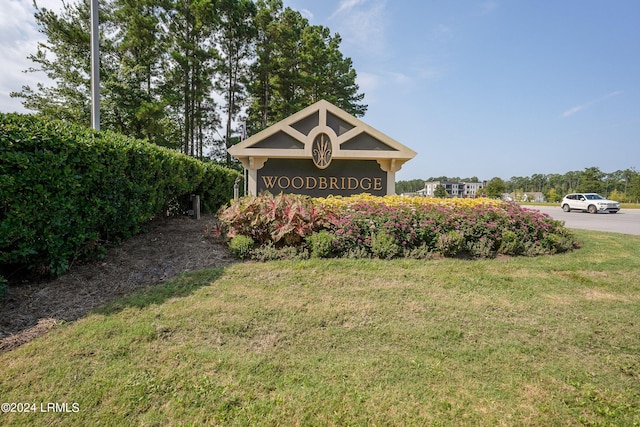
{"x": 531, "y": 196}
{"x": 471, "y": 189}
{"x": 453, "y": 188}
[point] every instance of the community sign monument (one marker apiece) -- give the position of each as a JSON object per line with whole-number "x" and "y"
{"x": 320, "y": 151}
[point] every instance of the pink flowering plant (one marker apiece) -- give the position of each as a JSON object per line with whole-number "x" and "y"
{"x": 282, "y": 220}
{"x": 385, "y": 227}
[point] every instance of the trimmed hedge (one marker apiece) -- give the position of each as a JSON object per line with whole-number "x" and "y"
{"x": 66, "y": 190}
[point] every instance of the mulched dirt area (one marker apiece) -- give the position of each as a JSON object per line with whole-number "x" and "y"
{"x": 168, "y": 248}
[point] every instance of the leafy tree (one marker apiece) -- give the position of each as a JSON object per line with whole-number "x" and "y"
{"x": 518, "y": 195}
{"x": 440, "y": 192}
{"x": 615, "y": 195}
{"x": 264, "y": 68}
{"x": 518, "y": 182}
{"x": 130, "y": 48}
{"x": 634, "y": 188}
{"x": 591, "y": 181}
{"x": 495, "y": 187}
{"x": 410, "y": 186}
{"x": 538, "y": 182}
{"x": 572, "y": 179}
{"x": 556, "y": 181}
{"x": 287, "y": 81}
{"x": 553, "y": 196}
{"x": 438, "y": 178}
{"x": 326, "y": 73}
{"x": 627, "y": 175}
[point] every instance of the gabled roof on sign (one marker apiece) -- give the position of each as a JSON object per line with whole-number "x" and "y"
{"x": 293, "y": 137}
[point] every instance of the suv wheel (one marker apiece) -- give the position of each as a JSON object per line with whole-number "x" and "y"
{"x": 566, "y": 208}
{"x": 592, "y": 209}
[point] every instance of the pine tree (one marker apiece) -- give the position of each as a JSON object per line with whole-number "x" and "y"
{"x": 163, "y": 62}
{"x": 64, "y": 58}
{"x": 135, "y": 105}
{"x": 235, "y": 39}
{"x": 188, "y": 84}
{"x": 263, "y": 69}
{"x": 297, "y": 64}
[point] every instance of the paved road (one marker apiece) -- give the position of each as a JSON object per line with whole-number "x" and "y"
{"x": 626, "y": 221}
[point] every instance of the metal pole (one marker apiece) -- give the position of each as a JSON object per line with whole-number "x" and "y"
{"x": 95, "y": 67}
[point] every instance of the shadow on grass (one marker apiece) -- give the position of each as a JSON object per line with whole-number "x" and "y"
{"x": 181, "y": 286}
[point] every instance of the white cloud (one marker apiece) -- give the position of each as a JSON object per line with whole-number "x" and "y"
{"x": 363, "y": 25}
{"x": 488, "y": 7}
{"x": 306, "y": 13}
{"x": 368, "y": 82}
{"x": 409, "y": 80}
{"x": 19, "y": 37}
{"x": 346, "y": 5}
{"x": 429, "y": 73}
{"x": 400, "y": 78}
{"x": 573, "y": 110}
{"x": 442, "y": 33}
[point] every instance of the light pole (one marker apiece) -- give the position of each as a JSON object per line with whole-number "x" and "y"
{"x": 95, "y": 67}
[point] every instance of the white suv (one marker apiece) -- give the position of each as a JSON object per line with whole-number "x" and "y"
{"x": 590, "y": 202}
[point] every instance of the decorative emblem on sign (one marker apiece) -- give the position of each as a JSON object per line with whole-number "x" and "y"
{"x": 321, "y": 150}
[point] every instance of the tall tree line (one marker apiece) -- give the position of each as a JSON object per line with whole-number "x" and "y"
{"x": 621, "y": 185}
{"x": 186, "y": 73}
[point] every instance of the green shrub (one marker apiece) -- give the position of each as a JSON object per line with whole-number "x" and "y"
{"x": 216, "y": 186}
{"x": 241, "y": 246}
{"x": 269, "y": 252}
{"x": 422, "y": 252}
{"x": 357, "y": 253}
{"x": 481, "y": 248}
{"x": 321, "y": 244}
{"x": 558, "y": 242}
{"x": 450, "y": 243}
{"x": 383, "y": 245}
{"x": 511, "y": 243}
{"x": 80, "y": 189}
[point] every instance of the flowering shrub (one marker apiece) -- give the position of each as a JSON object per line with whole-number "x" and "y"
{"x": 385, "y": 227}
{"x": 284, "y": 219}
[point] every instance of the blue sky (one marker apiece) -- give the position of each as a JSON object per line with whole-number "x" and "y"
{"x": 478, "y": 88}
{"x": 496, "y": 88}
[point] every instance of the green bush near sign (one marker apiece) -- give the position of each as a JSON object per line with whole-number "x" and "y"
{"x": 67, "y": 191}
{"x": 384, "y": 246}
{"x": 241, "y": 246}
{"x": 321, "y": 244}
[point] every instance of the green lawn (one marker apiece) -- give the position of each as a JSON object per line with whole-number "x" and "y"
{"x": 545, "y": 341}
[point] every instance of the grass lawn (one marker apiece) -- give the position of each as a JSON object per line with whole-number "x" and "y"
{"x": 546, "y": 341}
